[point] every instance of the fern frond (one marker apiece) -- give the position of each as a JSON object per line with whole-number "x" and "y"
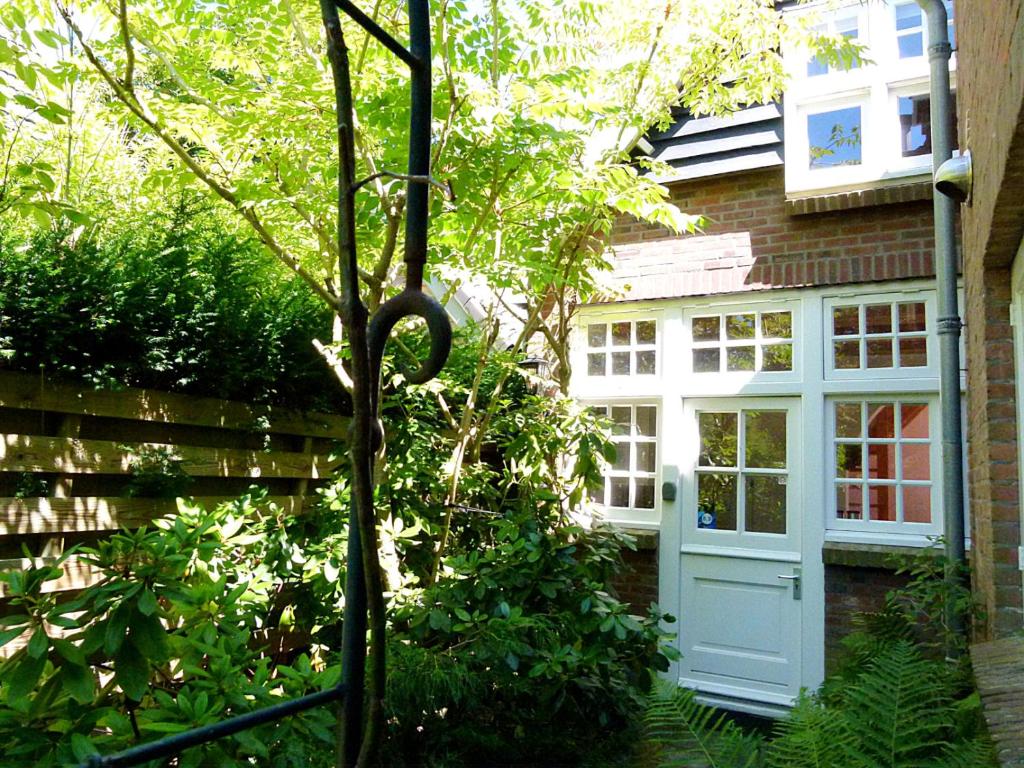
{"x": 814, "y": 736}
{"x": 689, "y": 734}
{"x": 900, "y": 708}
{"x": 978, "y": 752}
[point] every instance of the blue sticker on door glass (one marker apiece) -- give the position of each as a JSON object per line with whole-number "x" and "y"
{"x": 706, "y": 518}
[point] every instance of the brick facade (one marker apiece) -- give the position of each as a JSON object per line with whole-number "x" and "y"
{"x": 638, "y": 583}
{"x": 990, "y": 77}
{"x": 850, "y": 590}
{"x": 751, "y": 243}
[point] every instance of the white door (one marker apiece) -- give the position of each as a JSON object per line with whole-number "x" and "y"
{"x": 741, "y": 617}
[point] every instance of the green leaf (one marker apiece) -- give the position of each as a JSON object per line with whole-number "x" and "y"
{"x": 149, "y": 633}
{"x": 38, "y": 644}
{"x": 24, "y": 678}
{"x": 82, "y": 747}
{"x": 7, "y": 635}
{"x": 78, "y": 681}
{"x": 116, "y": 629}
{"x": 131, "y": 671}
{"x": 69, "y": 651}
{"x": 147, "y": 602}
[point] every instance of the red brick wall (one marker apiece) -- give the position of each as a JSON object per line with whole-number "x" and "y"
{"x": 850, "y": 590}
{"x": 638, "y": 583}
{"x": 990, "y": 61}
{"x": 752, "y": 243}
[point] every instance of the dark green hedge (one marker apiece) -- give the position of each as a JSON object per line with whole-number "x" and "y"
{"x": 175, "y": 301}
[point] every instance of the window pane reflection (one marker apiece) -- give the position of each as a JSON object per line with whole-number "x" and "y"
{"x": 833, "y": 138}
{"x": 716, "y": 501}
{"x": 765, "y": 504}
{"x": 719, "y": 433}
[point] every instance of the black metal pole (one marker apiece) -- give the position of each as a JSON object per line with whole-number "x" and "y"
{"x": 353, "y": 649}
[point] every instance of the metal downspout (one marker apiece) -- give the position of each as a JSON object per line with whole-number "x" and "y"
{"x": 949, "y": 325}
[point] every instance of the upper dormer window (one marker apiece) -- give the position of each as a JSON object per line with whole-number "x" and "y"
{"x": 910, "y": 28}
{"x": 847, "y": 25}
{"x": 869, "y": 124}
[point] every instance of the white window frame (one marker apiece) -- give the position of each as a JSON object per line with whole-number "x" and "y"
{"x": 884, "y": 531}
{"x": 872, "y": 86}
{"x": 733, "y": 381}
{"x": 585, "y": 386}
{"x": 873, "y": 374}
{"x": 633, "y": 515}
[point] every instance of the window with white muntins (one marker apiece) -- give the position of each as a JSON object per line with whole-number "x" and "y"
{"x": 882, "y": 457}
{"x": 848, "y": 128}
{"x": 630, "y": 481}
{"x": 622, "y": 348}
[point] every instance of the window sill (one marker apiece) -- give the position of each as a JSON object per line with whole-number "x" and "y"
{"x": 826, "y": 202}
{"x": 859, "y": 555}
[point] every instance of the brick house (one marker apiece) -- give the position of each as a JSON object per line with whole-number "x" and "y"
{"x": 991, "y": 53}
{"x": 773, "y": 380}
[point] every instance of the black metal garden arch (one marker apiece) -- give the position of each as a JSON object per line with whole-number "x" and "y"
{"x": 367, "y": 338}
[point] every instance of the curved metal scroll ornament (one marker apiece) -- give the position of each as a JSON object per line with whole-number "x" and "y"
{"x": 358, "y": 737}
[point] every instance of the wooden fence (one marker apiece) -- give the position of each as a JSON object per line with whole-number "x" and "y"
{"x": 69, "y": 456}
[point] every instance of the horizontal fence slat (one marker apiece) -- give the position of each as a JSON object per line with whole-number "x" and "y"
{"x": 25, "y": 391}
{"x": 25, "y": 453}
{"x": 19, "y": 517}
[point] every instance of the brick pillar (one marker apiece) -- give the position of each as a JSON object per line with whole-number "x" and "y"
{"x": 992, "y": 431}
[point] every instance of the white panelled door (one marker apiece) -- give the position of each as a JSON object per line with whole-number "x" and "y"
{"x": 741, "y": 590}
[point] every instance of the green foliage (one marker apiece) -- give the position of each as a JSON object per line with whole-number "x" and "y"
{"x": 902, "y": 710}
{"x": 173, "y": 301}
{"x": 894, "y": 703}
{"x": 681, "y": 731}
{"x": 173, "y": 636}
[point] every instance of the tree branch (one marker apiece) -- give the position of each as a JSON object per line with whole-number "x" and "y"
{"x": 129, "y": 51}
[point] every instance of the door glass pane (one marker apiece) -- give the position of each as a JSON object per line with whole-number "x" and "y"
{"x": 765, "y": 439}
{"x": 718, "y": 436}
{"x": 849, "y": 502}
{"x": 777, "y": 357}
{"x": 834, "y": 138}
{"x": 644, "y": 493}
{"x": 739, "y": 326}
{"x": 883, "y": 502}
{"x": 620, "y": 334}
{"x": 647, "y": 420}
{"x": 706, "y": 361}
{"x": 765, "y": 503}
{"x": 706, "y": 328}
{"x": 716, "y": 501}
{"x": 739, "y": 358}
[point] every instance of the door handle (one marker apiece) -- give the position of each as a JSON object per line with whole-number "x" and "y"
{"x": 795, "y": 578}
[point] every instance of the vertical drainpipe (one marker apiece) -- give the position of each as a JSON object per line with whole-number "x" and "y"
{"x": 939, "y": 51}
